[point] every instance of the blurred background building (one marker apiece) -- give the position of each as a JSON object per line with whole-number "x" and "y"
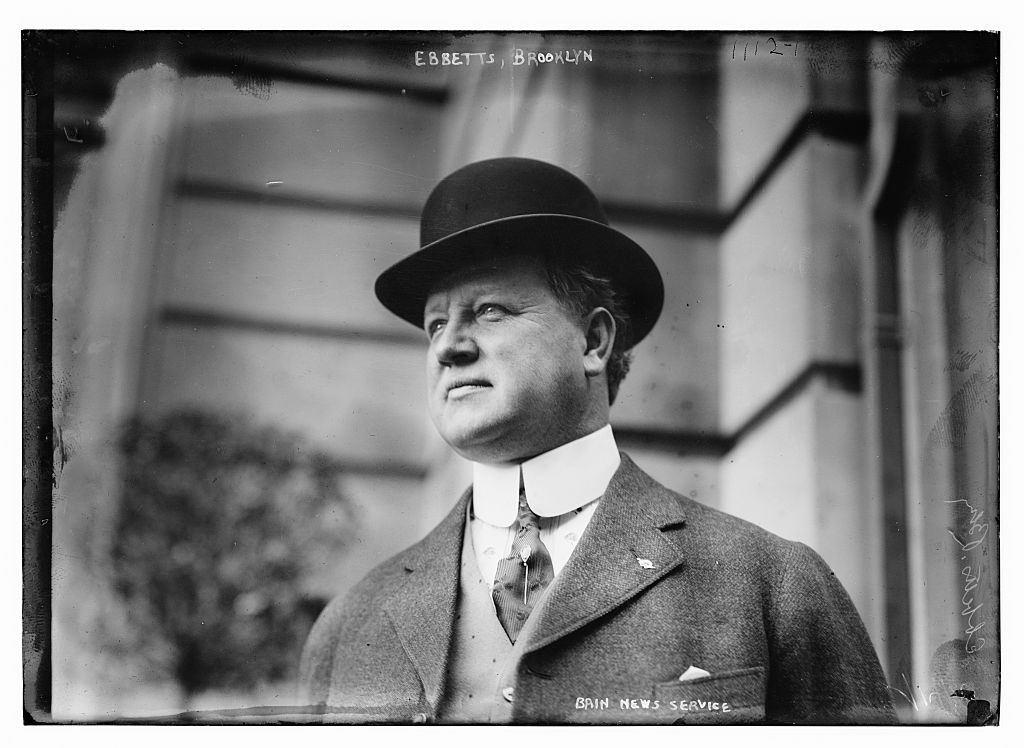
{"x": 823, "y": 210}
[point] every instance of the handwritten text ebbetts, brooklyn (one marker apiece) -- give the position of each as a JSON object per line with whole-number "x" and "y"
{"x": 517, "y": 57}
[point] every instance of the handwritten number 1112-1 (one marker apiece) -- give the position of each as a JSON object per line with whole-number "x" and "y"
{"x": 774, "y": 48}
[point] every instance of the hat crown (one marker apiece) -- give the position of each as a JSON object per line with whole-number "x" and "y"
{"x": 507, "y": 206}
{"x": 503, "y": 188}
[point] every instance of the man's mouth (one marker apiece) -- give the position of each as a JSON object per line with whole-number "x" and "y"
{"x": 462, "y": 387}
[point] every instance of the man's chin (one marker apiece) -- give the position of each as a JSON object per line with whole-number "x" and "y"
{"x": 480, "y": 443}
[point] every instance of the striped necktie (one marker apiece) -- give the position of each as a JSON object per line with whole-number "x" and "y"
{"x": 522, "y": 577}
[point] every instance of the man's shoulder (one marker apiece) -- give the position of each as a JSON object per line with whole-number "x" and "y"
{"x": 719, "y": 534}
{"x": 358, "y": 616}
{"x": 389, "y": 577}
{"x": 371, "y": 591}
{"x": 350, "y": 611}
{"x": 728, "y": 531}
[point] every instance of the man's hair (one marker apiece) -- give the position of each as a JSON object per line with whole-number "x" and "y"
{"x": 581, "y": 291}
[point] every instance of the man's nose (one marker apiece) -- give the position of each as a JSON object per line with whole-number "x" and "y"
{"x": 455, "y": 344}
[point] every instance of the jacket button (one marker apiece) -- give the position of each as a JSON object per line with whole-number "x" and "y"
{"x": 509, "y": 693}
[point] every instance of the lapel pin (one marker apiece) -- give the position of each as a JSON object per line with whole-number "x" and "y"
{"x": 645, "y": 563}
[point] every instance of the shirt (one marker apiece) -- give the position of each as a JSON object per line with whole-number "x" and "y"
{"x": 563, "y": 488}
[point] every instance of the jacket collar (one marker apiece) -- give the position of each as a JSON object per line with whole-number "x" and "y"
{"x": 624, "y": 550}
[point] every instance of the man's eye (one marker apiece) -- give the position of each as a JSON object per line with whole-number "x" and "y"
{"x": 492, "y": 311}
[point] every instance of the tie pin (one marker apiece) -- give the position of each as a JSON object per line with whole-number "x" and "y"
{"x": 524, "y": 553}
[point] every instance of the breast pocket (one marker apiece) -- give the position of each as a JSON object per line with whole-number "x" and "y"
{"x": 733, "y": 697}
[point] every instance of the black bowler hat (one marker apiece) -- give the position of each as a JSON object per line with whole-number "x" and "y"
{"x": 509, "y": 206}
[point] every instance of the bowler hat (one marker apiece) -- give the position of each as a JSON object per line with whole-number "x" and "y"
{"x": 508, "y": 206}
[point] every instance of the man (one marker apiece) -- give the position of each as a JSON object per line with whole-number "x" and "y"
{"x": 567, "y": 585}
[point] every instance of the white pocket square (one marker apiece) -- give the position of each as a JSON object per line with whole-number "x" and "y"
{"x": 694, "y": 672}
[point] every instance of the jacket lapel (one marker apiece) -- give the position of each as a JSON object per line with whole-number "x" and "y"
{"x": 622, "y": 552}
{"x": 423, "y": 611}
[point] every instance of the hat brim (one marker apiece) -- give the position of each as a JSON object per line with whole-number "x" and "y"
{"x": 404, "y": 287}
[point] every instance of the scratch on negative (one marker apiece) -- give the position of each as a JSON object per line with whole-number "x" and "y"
{"x": 951, "y": 426}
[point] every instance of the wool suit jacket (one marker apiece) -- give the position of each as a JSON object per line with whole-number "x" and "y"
{"x": 657, "y": 584}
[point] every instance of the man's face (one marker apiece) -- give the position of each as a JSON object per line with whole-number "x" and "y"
{"x": 505, "y": 372}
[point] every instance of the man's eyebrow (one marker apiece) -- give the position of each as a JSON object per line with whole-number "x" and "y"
{"x": 437, "y": 305}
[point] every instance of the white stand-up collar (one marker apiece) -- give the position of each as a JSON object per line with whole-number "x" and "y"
{"x": 556, "y": 482}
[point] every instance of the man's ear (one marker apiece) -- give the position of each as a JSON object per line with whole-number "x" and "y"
{"x": 599, "y": 327}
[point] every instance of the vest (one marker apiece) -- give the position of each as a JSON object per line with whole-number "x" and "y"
{"x": 482, "y": 662}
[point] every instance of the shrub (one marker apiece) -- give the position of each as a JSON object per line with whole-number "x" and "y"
{"x": 220, "y": 523}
